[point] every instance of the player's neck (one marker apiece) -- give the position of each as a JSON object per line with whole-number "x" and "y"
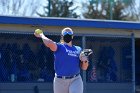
{"x": 69, "y": 44}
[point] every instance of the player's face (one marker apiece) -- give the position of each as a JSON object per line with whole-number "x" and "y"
{"x": 67, "y": 36}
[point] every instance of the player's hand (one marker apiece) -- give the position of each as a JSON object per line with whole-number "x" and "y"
{"x": 84, "y": 62}
{"x": 84, "y": 65}
{"x": 38, "y": 33}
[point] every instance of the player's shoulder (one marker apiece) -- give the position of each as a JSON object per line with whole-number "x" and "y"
{"x": 59, "y": 47}
{"x": 59, "y": 43}
{"x": 78, "y": 48}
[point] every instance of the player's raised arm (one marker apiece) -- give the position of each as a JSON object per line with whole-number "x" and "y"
{"x": 48, "y": 42}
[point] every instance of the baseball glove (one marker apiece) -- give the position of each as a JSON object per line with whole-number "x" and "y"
{"x": 86, "y": 52}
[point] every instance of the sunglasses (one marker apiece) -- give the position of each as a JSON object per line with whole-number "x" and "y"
{"x": 67, "y": 32}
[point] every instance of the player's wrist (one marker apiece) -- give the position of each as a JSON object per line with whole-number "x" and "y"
{"x": 43, "y": 37}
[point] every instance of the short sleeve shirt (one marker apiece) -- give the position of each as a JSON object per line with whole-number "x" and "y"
{"x": 67, "y": 61}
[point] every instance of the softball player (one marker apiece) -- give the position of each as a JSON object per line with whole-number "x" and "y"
{"x": 67, "y": 62}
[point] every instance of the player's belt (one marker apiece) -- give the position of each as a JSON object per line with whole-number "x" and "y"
{"x": 67, "y": 77}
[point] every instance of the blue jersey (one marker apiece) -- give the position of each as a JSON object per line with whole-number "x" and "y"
{"x": 67, "y": 61}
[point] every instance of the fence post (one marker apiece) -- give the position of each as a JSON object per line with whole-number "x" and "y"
{"x": 84, "y": 72}
{"x": 36, "y": 90}
{"x": 133, "y": 62}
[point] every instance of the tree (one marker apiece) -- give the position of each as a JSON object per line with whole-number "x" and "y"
{"x": 91, "y": 10}
{"x": 111, "y": 9}
{"x": 59, "y": 8}
{"x": 18, "y": 7}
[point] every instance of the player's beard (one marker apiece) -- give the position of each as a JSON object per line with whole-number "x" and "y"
{"x": 67, "y": 38}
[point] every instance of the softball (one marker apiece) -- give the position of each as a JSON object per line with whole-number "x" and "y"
{"x": 38, "y": 31}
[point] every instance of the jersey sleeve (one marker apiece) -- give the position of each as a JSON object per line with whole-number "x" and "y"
{"x": 79, "y": 49}
{"x": 59, "y": 47}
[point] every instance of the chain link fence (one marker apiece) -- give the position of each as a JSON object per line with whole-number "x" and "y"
{"x": 24, "y": 58}
{"x": 111, "y": 60}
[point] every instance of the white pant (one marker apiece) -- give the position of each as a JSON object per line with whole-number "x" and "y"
{"x": 74, "y": 85}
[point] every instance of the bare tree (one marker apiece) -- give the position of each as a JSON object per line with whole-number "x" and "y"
{"x": 19, "y": 7}
{"x": 59, "y": 8}
{"x": 111, "y": 9}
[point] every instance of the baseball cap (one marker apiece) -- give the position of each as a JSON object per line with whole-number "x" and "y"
{"x": 66, "y": 31}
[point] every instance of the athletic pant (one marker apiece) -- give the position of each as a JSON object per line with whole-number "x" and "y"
{"x": 74, "y": 85}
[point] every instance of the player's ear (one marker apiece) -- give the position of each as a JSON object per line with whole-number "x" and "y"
{"x": 72, "y": 36}
{"x": 62, "y": 39}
